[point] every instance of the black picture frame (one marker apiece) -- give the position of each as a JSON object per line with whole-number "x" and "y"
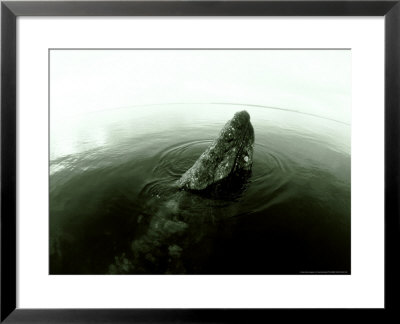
{"x": 10, "y": 10}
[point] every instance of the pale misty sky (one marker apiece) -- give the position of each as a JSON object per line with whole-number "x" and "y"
{"x": 312, "y": 81}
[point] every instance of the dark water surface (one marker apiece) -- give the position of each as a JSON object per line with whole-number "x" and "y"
{"x": 114, "y": 208}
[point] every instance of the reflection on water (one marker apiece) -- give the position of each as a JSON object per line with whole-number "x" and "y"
{"x": 114, "y": 207}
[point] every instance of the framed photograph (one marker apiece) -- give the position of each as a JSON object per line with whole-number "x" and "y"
{"x": 198, "y": 161}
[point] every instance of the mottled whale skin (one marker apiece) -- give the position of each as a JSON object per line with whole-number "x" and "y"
{"x": 230, "y": 154}
{"x": 170, "y": 224}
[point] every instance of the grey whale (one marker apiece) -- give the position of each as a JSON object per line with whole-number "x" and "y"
{"x": 177, "y": 219}
{"x": 229, "y": 156}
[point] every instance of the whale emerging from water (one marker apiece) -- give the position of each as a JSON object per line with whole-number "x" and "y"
{"x": 228, "y": 157}
{"x": 169, "y": 227}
